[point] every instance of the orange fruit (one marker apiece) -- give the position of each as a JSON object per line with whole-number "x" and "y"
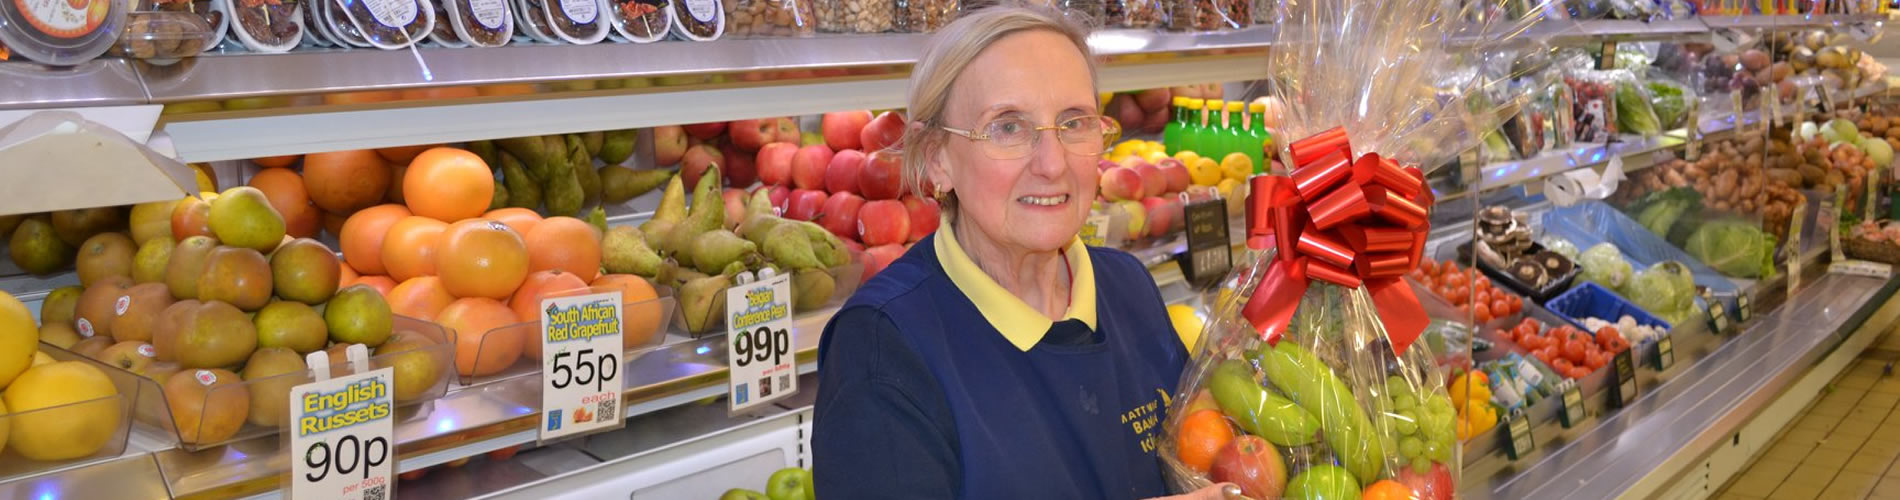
{"x": 362, "y": 237}
{"x": 345, "y": 181}
{"x": 482, "y": 258}
{"x": 382, "y": 284}
{"x": 440, "y": 93}
{"x": 345, "y": 275}
{"x": 640, "y": 314}
{"x": 420, "y": 297}
{"x": 402, "y": 155}
{"x": 361, "y": 97}
{"x": 519, "y": 219}
{"x": 564, "y": 243}
{"x": 276, "y": 161}
{"x": 479, "y": 349}
{"x": 448, "y": 184}
{"x": 409, "y": 247}
{"x": 1387, "y": 489}
{"x": 527, "y": 300}
{"x": 1201, "y": 436}
{"x": 284, "y": 189}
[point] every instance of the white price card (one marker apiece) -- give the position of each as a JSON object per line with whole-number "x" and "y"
{"x": 580, "y": 364}
{"x": 1095, "y": 230}
{"x": 341, "y": 446}
{"x": 759, "y": 343}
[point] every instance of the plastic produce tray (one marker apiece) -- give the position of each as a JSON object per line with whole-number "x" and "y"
{"x": 1500, "y": 276}
{"x": 1589, "y": 223}
{"x": 1592, "y": 300}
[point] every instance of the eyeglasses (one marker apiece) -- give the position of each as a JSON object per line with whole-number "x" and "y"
{"x": 1014, "y": 138}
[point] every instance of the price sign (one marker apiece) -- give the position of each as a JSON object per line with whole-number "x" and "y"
{"x": 1209, "y": 251}
{"x": 340, "y": 441}
{"x": 1693, "y": 150}
{"x": 1606, "y": 59}
{"x": 1742, "y": 311}
{"x": 580, "y": 364}
{"x": 1573, "y": 411}
{"x": 1665, "y": 353}
{"x": 1521, "y": 444}
{"x": 1623, "y": 387}
{"x": 759, "y": 334}
{"x": 1735, "y": 101}
{"x": 1718, "y": 317}
{"x": 1095, "y": 230}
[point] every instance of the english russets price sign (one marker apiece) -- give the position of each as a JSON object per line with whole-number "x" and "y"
{"x": 341, "y": 446}
{"x": 580, "y": 364}
{"x": 759, "y": 335}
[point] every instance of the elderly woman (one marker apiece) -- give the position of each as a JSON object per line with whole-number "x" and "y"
{"x": 1000, "y": 358}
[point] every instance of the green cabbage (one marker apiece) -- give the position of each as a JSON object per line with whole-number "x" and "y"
{"x": 1633, "y": 112}
{"x": 1666, "y": 290}
{"x": 1603, "y": 264}
{"x": 1670, "y": 102}
{"x": 1733, "y": 247}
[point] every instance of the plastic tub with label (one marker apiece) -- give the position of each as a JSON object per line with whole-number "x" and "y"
{"x": 388, "y": 24}
{"x": 642, "y": 21}
{"x": 340, "y": 27}
{"x": 163, "y": 36}
{"x": 699, "y": 20}
{"x": 212, "y": 11}
{"x": 444, "y": 32}
{"x": 61, "y": 32}
{"x": 268, "y": 26}
{"x": 536, "y": 27}
{"x": 480, "y": 23}
{"x": 319, "y": 34}
{"x": 579, "y": 22}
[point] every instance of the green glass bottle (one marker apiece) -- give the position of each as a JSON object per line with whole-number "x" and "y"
{"x": 1236, "y": 138}
{"x": 1212, "y": 144}
{"x": 1171, "y": 134}
{"x": 1196, "y": 124}
{"x": 1259, "y": 139}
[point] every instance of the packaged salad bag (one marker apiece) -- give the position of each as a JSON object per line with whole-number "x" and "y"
{"x": 1307, "y": 380}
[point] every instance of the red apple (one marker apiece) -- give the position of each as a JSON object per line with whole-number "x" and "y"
{"x": 697, "y": 160}
{"x": 841, "y": 175}
{"x": 749, "y": 135}
{"x": 788, "y": 129}
{"x": 735, "y": 206}
{"x": 809, "y": 165}
{"x": 857, "y": 249}
{"x": 740, "y": 168}
{"x": 883, "y": 222}
{"x": 1176, "y": 174}
{"x": 1121, "y": 184}
{"x": 879, "y": 257}
{"x": 1103, "y": 165}
{"x": 804, "y": 204}
{"x": 1163, "y": 214}
{"x": 882, "y": 132}
{"x": 704, "y": 131}
{"x": 843, "y": 128}
{"x": 669, "y": 144}
{"x": 923, "y": 216}
{"x": 1436, "y": 485}
{"x": 882, "y": 178}
{"x": 840, "y": 214}
{"x": 1153, "y": 182}
{"x": 1252, "y": 464}
{"x": 778, "y": 194}
{"x": 775, "y": 163}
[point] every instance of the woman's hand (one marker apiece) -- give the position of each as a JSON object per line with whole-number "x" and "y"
{"x": 1222, "y": 491}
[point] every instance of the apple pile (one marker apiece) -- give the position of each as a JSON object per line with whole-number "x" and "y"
{"x": 1139, "y": 178}
{"x": 842, "y": 178}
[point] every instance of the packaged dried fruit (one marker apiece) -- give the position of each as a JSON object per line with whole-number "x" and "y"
{"x": 857, "y": 16}
{"x": 770, "y": 18}
{"x": 642, "y": 21}
{"x": 385, "y": 24}
{"x": 481, "y": 23}
{"x": 1209, "y": 15}
{"x": 268, "y": 26}
{"x": 926, "y": 16}
{"x": 579, "y": 22}
{"x": 341, "y": 29}
{"x": 532, "y": 24}
{"x": 212, "y": 11}
{"x": 699, "y": 20}
{"x": 318, "y": 32}
{"x": 1135, "y": 14}
{"x": 444, "y": 32}
{"x": 161, "y": 36}
{"x": 61, "y": 33}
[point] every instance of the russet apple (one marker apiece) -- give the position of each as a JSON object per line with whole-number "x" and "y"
{"x": 843, "y": 129}
{"x": 191, "y": 217}
{"x": 669, "y": 144}
{"x": 704, "y": 131}
{"x": 751, "y": 134}
{"x": 804, "y": 204}
{"x": 740, "y": 168}
{"x": 787, "y": 128}
{"x": 883, "y": 222}
{"x": 841, "y": 175}
{"x": 1252, "y": 464}
{"x": 775, "y": 163}
{"x": 809, "y": 165}
{"x": 882, "y": 132}
{"x": 924, "y": 216}
{"x": 840, "y": 214}
{"x": 697, "y": 160}
{"x": 1121, "y": 184}
{"x": 882, "y": 177}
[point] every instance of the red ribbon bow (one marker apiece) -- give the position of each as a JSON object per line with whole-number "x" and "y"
{"x": 1350, "y": 222}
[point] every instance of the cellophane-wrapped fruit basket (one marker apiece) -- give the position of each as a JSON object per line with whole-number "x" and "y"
{"x": 1307, "y": 382}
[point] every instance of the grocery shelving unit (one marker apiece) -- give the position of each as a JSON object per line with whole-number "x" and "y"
{"x": 234, "y": 106}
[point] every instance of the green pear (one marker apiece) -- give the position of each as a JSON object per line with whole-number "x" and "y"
{"x": 242, "y": 217}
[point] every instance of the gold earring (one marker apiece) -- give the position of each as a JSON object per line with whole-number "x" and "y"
{"x": 942, "y": 194}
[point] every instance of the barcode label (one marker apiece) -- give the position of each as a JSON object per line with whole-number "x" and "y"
{"x": 376, "y": 493}
{"x": 607, "y": 409}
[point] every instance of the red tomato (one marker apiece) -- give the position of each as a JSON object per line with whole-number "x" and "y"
{"x": 1483, "y": 296}
{"x": 1428, "y": 265}
{"x": 1562, "y": 366}
{"x": 1501, "y": 307}
{"x": 1574, "y": 350}
{"x": 1522, "y": 330}
{"x": 1605, "y": 334}
{"x": 1483, "y": 313}
{"x": 1456, "y": 280}
{"x": 1464, "y": 293}
{"x": 1483, "y": 282}
{"x": 1596, "y": 360}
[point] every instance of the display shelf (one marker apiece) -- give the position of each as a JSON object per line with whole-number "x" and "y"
{"x": 100, "y": 82}
{"x": 1791, "y": 21}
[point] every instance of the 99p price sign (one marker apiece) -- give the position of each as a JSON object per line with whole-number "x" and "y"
{"x": 341, "y": 447}
{"x": 759, "y": 340}
{"x": 580, "y": 364}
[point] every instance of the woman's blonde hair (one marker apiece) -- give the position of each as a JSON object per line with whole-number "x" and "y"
{"x": 945, "y": 57}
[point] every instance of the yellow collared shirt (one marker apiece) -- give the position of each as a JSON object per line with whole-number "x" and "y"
{"x": 1021, "y": 324}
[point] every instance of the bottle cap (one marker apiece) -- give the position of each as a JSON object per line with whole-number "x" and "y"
{"x": 1180, "y": 101}
{"x": 1258, "y": 107}
{"x": 1236, "y": 106}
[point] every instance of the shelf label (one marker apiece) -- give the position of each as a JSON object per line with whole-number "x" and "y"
{"x": 341, "y": 446}
{"x": 1872, "y": 189}
{"x": 1209, "y": 250}
{"x": 1624, "y": 378}
{"x": 580, "y": 364}
{"x": 1606, "y": 58}
{"x": 759, "y": 333}
{"x": 1521, "y": 444}
{"x": 1742, "y": 311}
{"x": 1095, "y": 230}
{"x": 1831, "y": 215}
{"x": 1693, "y": 150}
{"x": 1665, "y": 353}
{"x": 1735, "y": 100}
{"x": 1573, "y": 411}
{"x": 1796, "y": 224}
{"x": 1718, "y": 318}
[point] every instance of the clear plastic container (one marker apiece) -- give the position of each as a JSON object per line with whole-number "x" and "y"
{"x": 481, "y": 23}
{"x": 340, "y": 27}
{"x": 319, "y": 34}
{"x": 1132, "y": 14}
{"x": 642, "y": 21}
{"x": 387, "y": 24}
{"x": 536, "y": 27}
{"x": 269, "y": 26}
{"x": 213, "y": 12}
{"x": 58, "y": 33}
{"x": 444, "y": 32}
{"x": 163, "y": 36}
{"x": 699, "y": 20}
{"x": 771, "y": 18}
{"x": 856, "y": 16}
{"x": 579, "y": 22}
{"x": 926, "y": 16}
{"x": 1209, "y": 15}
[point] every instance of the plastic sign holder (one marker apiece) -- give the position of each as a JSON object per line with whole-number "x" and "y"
{"x": 759, "y": 340}
{"x": 341, "y": 437}
{"x": 581, "y": 374}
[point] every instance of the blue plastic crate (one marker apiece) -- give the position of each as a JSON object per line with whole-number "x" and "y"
{"x": 1592, "y": 300}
